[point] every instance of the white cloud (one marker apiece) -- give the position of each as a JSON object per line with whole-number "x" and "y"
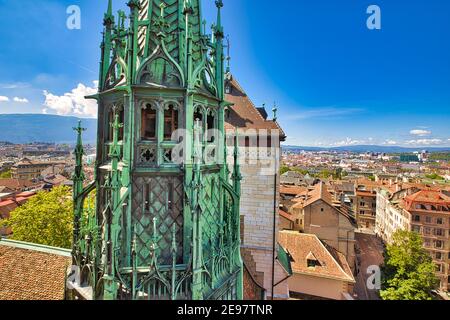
{"x": 348, "y": 142}
{"x": 72, "y": 103}
{"x": 20, "y": 100}
{"x": 4, "y": 99}
{"x": 14, "y": 85}
{"x": 325, "y": 112}
{"x": 390, "y": 142}
{"x": 426, "y": 142}
{"x": 420, "y": 132}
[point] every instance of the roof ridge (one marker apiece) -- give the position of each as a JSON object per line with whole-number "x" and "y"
{"x": 36, "y": 247}
{"x": 334, "y": 260}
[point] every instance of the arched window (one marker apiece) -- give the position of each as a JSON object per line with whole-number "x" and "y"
{"x": 148, "y": 126}
{"x": 199, "y": 120}
{"x": 170, "y": 122}
{"x": 211, "y": 126}
{"x": 198, "y": 115}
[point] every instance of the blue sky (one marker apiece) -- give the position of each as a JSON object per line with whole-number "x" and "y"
{"x": 335, "y": 81}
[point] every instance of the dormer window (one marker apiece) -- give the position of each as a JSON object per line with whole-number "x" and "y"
{"x": 312, "y": 261}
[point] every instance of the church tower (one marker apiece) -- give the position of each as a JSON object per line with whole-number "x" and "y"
{"x": 161, "y": 220}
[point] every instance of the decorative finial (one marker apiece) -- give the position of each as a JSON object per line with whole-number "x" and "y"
{"x": 162, "y": 6}
{"x": 161, "y": 23}
{"x": 228, "y": 54}
{"x": 204, "y": 26}
{"x": 79, "y": 129}
{"x": 108, "y": 20}
{"x": 275, "y": 110}
{"x": 219, "y": 28}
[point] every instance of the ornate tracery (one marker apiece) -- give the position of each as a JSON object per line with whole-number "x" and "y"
{"x": 161, "y": 219}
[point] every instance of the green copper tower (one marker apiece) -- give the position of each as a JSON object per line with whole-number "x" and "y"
{"x": 166, "y": 224}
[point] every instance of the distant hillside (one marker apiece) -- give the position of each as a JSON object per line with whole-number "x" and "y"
{"x": 369, "y": 148}
{"x": 25, "y": 128}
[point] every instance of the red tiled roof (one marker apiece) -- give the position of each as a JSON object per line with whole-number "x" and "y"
{"x": 301, "y": 247}
{"x": 286, "y": 215}
{"x": 32, "y": 274}
{"x": 292, "y": 190}
{"x": 244, "y": 114}
{"x": 429, "y": 196}
{"x": 16, "y": 184}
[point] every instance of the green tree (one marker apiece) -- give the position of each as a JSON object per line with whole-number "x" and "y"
{"x": 284, "y": 169}
{"x": 408, "y": 272}
{"x": 5, "y": 174}
{"x": 325, "y": 174}
{"x": 46, "y": 219}
{"x": 434, "y": 176}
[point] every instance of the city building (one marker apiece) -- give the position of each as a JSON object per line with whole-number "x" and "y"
{"x": 169, "y": 207}
{"x": 9, "y": 204}
{"x": 390, "y": 215}
{"x": 365, "y": 207}
{"x": 27, "y": 169}
{"x": 317, "y": 213}
{"x": 430, "y": 217}
{"x": 318, "y": 270}
{"x": 426, "y": 212}
{"x": 18, "y": 185}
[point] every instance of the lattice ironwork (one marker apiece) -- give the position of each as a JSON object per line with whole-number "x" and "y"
{"x": 148, "y": 155}
{"x": 160, "y": 198}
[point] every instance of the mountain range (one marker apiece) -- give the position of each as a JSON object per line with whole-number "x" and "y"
{"x": 26, "y": 128}
{"x": 368, "y": 148}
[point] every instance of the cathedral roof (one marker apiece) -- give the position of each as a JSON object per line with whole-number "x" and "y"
{"x": 244, "y": 114}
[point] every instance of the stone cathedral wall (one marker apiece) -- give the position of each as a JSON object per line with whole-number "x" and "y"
{"x": 257, "y": 211}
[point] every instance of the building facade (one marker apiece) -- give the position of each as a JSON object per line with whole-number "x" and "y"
{"x": 27, "y": 169}
{"x": 317, "y": 214}
{"x": 426, "y": 212}
{"x": 166, "y": 224}
{"x": 319, "y": 271}
{"x": 430, "y": 217}
{"x": 259, "y": 154}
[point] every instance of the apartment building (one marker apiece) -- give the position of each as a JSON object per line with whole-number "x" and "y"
{"x": 426, "y": 212}
{"x": 365, "y": 204}
{"x": 317, "y": 213}
{"x": 390, "y": 216}
{"x": 430, "y": 217}
{"x": 28, "y": 169}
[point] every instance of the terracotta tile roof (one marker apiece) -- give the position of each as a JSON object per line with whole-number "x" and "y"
{"x": 319, "y": 192}
{"x": 366, "y": 194}
{"x": 16, "y": 184}
{"x": 427, "y": 197}
{"x": 244, "y": 114}
{"x": 286, "y": 215}
{"x": 301, "y": 247}
{"x": 31, "y": 272}
{"x": 6, "y": 207}
{"x": 292, "y": 190}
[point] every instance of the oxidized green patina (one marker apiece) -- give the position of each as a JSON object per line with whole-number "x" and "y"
{"x": 166, "y": 223}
